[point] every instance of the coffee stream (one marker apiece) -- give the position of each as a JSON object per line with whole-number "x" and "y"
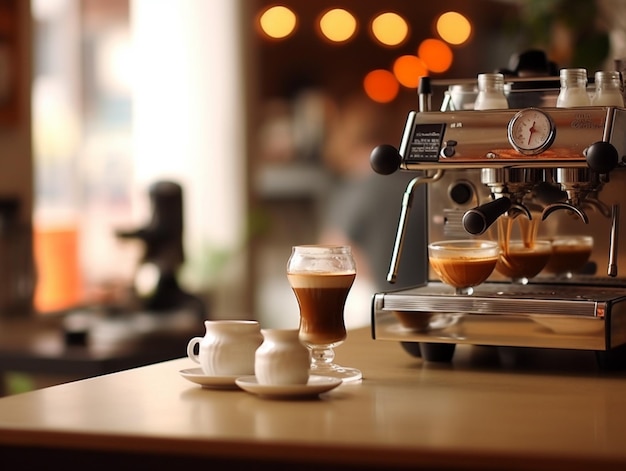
{"x": 523, "y": 259}
{"x": 528, "y": 231}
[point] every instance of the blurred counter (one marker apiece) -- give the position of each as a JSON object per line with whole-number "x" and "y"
{"x": 490, "y": 409}
{"x": 79, "y": 344}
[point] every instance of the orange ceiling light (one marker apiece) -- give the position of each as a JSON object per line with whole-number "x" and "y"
{"x": 338, "y": 25}
{"x": 381, "y": 86}
{"x": 278, "y": 22}
{"x": 408, "y": 69}
{"x": 436, "y": 54}
{"x": 454, "y": 28}
{"x": 390, "y": 29}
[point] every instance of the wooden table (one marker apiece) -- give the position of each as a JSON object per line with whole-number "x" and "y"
{"x": 489, "y": 409}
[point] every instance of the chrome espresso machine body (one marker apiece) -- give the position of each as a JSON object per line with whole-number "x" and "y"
{"x": 565, "y": 166}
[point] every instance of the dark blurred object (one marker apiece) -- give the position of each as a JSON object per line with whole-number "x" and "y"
{"x": 532, "y": 63}
{"x": 16, "y": 261}
{"x": 163, "y": 235}
{"x": 156, "y": 285}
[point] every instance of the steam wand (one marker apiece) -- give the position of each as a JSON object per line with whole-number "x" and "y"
{"x": 407, "y": 201}
{"x": 385, "y": 160}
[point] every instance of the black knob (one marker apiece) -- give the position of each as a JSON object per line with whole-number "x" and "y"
{"x": 477, "y": 220}
{"x": 385, "y": 159}
{"x": 461, "y": 192}
{"x": 602, "y": 157}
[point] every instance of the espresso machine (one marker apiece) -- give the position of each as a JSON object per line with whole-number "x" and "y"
{"x": 563, "y": 168}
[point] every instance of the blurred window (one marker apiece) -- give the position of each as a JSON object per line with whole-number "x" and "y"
{"x": 125, "y": 93}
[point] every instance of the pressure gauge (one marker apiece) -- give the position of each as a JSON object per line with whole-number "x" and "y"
{"x": 531, "y": 131}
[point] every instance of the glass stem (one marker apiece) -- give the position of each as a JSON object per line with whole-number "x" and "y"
{"x": 464, "y": 291}
{"x": 321, "y": 356}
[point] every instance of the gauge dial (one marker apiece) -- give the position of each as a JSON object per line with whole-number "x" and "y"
{"x": 531, "y": 131}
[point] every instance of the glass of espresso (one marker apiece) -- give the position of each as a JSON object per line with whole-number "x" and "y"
{"x": 463, "y": 264}
{"x": 522, "y": 261}
{"x": 321, "y": 277}
{"x": 569, "y": 255}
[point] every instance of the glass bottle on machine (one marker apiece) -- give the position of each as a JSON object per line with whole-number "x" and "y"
{"x": 573, "y": 90}
{"x": 608, "y": 89}
{"x": 491, "y": 92}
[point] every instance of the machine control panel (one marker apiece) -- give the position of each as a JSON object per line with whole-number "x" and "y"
{"x": 538, "y": 137}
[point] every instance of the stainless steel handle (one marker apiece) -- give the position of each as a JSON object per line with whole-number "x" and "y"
{"x": 407, "y": 201}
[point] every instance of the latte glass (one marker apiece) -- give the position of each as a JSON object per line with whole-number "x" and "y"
{"x": 321, "y": 277}
{"x": 463, "y": 264}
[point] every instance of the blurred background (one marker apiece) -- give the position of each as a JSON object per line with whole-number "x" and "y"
{"x": 262, "y": 111}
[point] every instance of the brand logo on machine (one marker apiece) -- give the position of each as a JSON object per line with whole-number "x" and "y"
{"x": 585, "y": 121}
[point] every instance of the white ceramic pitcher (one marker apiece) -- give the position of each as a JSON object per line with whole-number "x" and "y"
{"x": 281, "y": 359}
{"x": 227, "y": 348}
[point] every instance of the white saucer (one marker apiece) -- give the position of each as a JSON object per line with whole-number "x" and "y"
{"x": 315, "y": 386}
{"x": 195, "y": 375}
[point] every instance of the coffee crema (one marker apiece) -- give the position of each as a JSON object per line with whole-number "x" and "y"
{"x": 463, "y": 272}
{"x": 321, "y": 297}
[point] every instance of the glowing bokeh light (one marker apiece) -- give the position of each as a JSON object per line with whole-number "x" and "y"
{"x": 381, "y": 86}
{"x": 454, "y": 28}
{"x": 408, "y": 70}
{"x": 278, "y": 22}
{"x": 338, "y": 25}
{"x": 436, "y": 54}
{"x": 390, "y": 29}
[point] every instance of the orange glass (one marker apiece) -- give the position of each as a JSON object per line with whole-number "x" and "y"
{"x": 58, "y": 280}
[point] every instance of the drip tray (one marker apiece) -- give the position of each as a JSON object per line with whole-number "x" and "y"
{"x": 533, "y": 315}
